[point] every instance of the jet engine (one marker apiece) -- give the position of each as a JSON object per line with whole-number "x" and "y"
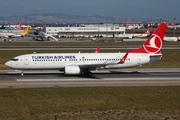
{"x": 72, "y": 70}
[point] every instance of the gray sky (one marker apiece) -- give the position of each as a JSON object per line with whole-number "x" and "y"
{"x": 120, "y": 9}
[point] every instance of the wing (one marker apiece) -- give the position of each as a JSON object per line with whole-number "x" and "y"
{"x": 95, "y": 66}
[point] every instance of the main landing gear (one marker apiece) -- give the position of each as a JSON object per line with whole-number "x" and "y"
{"x": 87, "y": 73}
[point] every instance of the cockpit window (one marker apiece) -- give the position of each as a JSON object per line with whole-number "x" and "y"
{"x": 14, "y": 59}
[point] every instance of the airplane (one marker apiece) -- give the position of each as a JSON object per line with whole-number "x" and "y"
{"x": 11, "y": 27}
{"x": 23, "y": 33}
{"x": 173, "y": 26}
{"x": 12, "y": 35}
{"x": 84, "y": 63}
{"x": 173, "y": 39}
{"x": 19, "y": 26}
{"x": 43, "y": 35}
{"x": 130, "y": 36}
{"x": 2, "y": 34}
{"x": 145, "y": 34}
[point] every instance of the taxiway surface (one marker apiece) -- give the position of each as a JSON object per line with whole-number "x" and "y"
{"x": 122, "y": 77}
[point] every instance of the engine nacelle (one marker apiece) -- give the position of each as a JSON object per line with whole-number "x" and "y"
{"x": 130, "y": 37}
{"x": 72, "y": 70}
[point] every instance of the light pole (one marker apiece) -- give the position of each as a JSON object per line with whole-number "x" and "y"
{"x": 174, "y": 26}
{"x": 133, "y": 27}
{"x": 98, "y": 30}
{"x": 106, "y": 29}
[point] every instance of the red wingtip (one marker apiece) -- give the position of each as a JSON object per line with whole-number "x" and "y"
{"x": 124, "y": 58}
{"x": 154, "y": 42}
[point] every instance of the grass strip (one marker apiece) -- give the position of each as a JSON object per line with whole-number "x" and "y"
{"x": 88, "y": 102}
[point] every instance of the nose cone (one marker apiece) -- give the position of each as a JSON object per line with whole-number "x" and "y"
{"x": 8, "y": 64}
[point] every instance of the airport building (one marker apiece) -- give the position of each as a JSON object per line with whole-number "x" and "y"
{"x": 105, "y": 30}
{"x": 10, "y": 31}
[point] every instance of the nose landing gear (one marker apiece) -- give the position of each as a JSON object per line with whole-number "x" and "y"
{"x": 22, "y": 73}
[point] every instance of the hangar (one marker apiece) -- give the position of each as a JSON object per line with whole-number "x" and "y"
{"x": 102, "y": 30}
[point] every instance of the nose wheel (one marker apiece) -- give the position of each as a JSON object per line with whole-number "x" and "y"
{"x": 22, "y": 73}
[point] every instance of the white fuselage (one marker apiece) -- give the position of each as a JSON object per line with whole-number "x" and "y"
{"x": 6, "y": 34}
{"x": 140, "y": 35}
{"x": 175, "y": 39}
{"x": 130, "y": 36}
{"x": 43, "y": 35}
{"x": 58, "y": 61}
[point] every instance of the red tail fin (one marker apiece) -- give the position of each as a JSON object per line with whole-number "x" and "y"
{"x": 97, "y": 49}
{"x": 148, "y": 31}
{"x": 154, "y": 42}
{"x": 19, "y": 26}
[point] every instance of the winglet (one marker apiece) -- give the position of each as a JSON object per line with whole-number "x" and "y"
{"x": 97, "y": 49}
{"x": 124, "y": 58}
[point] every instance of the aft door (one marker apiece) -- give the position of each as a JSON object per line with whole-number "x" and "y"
{"x": 138, "y": 60}
{"x": 26, "y": 60}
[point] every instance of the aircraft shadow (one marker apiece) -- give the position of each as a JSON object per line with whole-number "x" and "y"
{"x": 118, "y": 72}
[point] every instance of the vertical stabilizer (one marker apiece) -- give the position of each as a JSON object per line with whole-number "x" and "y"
{"x": 26, "y": 30}
{"x": 19, "y": 26}
{"x": 147, "y": 31}
{"x": 154, "y": 42}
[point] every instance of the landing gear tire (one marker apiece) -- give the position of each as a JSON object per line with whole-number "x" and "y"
{"x": 22, "y": 74}
{"x": 87, "y": 73}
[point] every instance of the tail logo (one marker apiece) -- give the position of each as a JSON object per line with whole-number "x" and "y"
{"x": 148, "y": 31}
{"x": 154, "y": 45}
